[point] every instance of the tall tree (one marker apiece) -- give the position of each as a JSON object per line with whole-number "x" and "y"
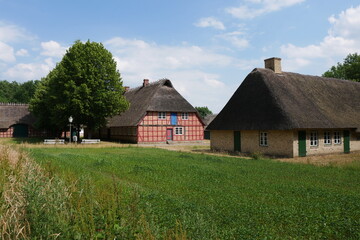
{"x": 85, "y": 85}
{"x": 203, "y": 111}
{"x": 349, "y": 70}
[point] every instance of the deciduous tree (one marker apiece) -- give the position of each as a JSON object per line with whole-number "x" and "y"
{"x": 15, "y": 92}
{"x": 349, "y": 70}
{"x": 85, "y": 85}
{"x": 203, "y": 111}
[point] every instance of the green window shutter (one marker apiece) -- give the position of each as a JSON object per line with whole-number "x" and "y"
{"x": 302, "y": 143}
{"x": 237, "y": 141}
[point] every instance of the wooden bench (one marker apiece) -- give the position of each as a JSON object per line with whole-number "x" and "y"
{"x": 54, "y": 141}
{"x": 90, "y": 141}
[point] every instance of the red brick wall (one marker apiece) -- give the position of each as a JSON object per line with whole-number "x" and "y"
{"x": 153, "y": 129}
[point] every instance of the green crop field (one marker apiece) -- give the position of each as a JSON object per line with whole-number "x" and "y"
{"x": 148, "y": 193}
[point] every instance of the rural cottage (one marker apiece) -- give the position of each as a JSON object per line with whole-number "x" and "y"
{"x": 289, "y": 114}
{"x": 157, "y": 113}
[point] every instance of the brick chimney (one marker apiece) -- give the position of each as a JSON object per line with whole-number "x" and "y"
{"x": 126, "y": 88}
{"x": 146, "y": 82}
{"x": 273, "y": 64}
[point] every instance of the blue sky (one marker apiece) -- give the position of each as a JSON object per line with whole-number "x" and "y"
{"x": 206, "y": 48}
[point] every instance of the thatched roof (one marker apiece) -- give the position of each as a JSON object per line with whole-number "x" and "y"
{"x": 209, "y": 118}
{"x": 159, "y": 96}
{"x": 12, "y": 113}
{"x": 267, "y": 100}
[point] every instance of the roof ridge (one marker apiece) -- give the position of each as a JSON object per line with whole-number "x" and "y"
{"x": 13, "y": 104}
{"x": 305, "y": 75}
{"x": 157, "y": 82}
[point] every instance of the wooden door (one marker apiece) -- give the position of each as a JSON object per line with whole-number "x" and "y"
{"x": 346, "y": 141}
{"x": 302, "y": 143}
{"x": 169, "y": 134}
{"x": 237, "y": 141}
{"x": 21, "y": 130}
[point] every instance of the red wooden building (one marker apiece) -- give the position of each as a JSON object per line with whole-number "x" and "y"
{"x": 157, "y": 113}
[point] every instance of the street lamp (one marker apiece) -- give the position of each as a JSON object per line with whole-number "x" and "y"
{"x": 70, "y": 121}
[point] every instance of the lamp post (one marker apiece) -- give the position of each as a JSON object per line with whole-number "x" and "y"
{"x": 70, "y": 121}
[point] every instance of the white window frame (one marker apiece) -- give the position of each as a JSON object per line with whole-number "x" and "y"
{"x": 327, "y": 138}
{"x": 185, "y": 116}
{"x": 337, "y": 137}
{"x": 314, "y": 140}
{"x": 162, "y": 115}
{"x": 263, "y": 139}
{"x": 179, "y": 131}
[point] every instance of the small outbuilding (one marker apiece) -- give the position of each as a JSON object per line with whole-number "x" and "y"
{"x": 289, "y": 114}
{"x": 17, "y": 121}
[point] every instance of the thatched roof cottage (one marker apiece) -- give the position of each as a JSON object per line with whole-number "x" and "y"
{"x": 157, "y": 113}
{"x": 16, "y": 120}
{"x": 289, "y": 114}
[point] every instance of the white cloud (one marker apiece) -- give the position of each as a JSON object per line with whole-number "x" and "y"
{"x": 30, "y": 71}
{"x": 347, "y": 24}
{"x": 22, "y": 52}
{"x": 13, "y": 33}
{"x": 134, "y": 56}
{"x": 236, "y": 39}
{"x": 201, "y": 88}
{"x": 52, "y": 49}
{"x": 210, "y": 22}
{"x": 213, "y": 82}
{"x": 184, "y": 65}
{"x": 343, "y": 38}
{"x": 6, "y": 53}
{"x": 261, "y": 7}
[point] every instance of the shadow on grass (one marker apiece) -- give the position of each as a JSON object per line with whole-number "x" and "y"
{"x": 26, "y": 140}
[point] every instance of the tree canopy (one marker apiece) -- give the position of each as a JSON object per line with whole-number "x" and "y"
{"x": 203, "y": 111}
{"x": 15, "y": 92}
{"x": 85, "y": 85}
{"x": 349, "y": 70}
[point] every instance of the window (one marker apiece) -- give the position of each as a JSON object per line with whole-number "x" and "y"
{"x": 313, "y": 139}
{"x": 327, "y": 138}
{"x": 162, "y": 115}
{"x": 184, "y": 116}
{"x": 263, "y": 139}
{"x": 179, "y": 131}
{"x": 337, "y": 138}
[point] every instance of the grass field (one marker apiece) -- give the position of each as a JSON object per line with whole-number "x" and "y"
{"x": 147, "y": 193}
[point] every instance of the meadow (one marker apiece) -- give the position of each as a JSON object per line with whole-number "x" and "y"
{"x": 149, "y": 193}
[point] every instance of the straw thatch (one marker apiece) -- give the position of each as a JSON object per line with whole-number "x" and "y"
{"x": 159, "y": 96}
{"x": 208, "y": 119}
{"x": 279, "y": 101}
{"x": 11, "y": 114}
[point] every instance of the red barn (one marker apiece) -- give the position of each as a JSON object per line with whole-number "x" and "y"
{"x": 157, "y": 113}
